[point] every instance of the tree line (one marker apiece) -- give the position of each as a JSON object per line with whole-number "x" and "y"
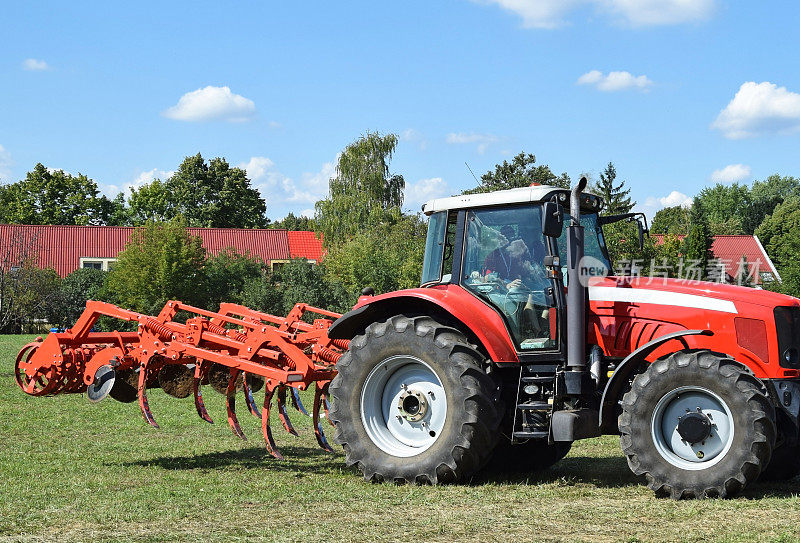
{"x": 369, "y": 239}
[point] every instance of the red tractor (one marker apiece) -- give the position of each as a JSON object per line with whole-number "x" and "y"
{"x": 699, "y": 379}
{"x": 505, "y": 350}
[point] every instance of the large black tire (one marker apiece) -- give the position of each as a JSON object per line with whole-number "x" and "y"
{"x": 785, "y": 464}
{"x": 750, "y": 417}
{"x": 533, "y": 455}
{"x": 467, "y": 433}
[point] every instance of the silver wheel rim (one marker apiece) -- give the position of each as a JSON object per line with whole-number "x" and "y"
{"x": 399, "y": 381}
{"x": 668, "y": 442}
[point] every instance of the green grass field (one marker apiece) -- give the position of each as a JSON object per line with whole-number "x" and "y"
{"x": 70, "y": 470}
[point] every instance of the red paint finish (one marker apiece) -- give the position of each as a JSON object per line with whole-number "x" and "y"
{"x": 479, "y": 317}
{"x": 621, "y": 327}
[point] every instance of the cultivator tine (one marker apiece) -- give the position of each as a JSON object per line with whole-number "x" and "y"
{"x": 326, "y": 404}
{"x": 248, "y": 397}
{"x": 144, "y": 406}
{"x": 318, "y": 400}
{"x": 269, "y": 442}
{"x": 231, "y": 403}
{"x": 198, "y": 396}
{"x": 297, "y": 403}
{"x": 284, "y": 416}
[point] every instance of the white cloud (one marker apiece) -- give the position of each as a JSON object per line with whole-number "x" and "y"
{"x": 418, "y": 193}
{"x": 538, "y": 13}
{"x": 661, "y": 12}
{"x": 758, "y": 109}
{"x": 554, "y": 13}
{"x": 143, "y": 178}
{"x": 672, "y": 199}
{"x": 412, "y": 136}
{"x": 483, "y": 140}
{"x": 5, "y": 165}
{"x": 653, "y": 203}
{"x": 212, "y": 103}
{"x": 34, "y": 65}
{"x": 731, "y": 173}
{"x": 615, "y": 81}
{"x": 284, "y": 194}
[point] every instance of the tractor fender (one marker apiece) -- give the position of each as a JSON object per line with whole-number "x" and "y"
{"x": 452, "y": 304}
{"x": 626, "y": 369}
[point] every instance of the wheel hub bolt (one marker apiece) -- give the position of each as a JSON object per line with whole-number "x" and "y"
{"x": 412, "y": 405}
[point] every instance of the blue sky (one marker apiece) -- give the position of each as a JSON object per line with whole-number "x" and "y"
{"x": 677, "y": 93}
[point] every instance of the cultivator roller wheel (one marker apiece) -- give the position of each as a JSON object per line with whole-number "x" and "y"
{"x": 176, "y": 380}
{"x": 42, "y": 382}
{"x": 103, "y": 382}
{"x": 126, "y": 386}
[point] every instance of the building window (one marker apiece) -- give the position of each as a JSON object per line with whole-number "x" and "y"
{"x": 104, "y": 264}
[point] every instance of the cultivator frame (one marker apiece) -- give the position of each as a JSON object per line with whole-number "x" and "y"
{"x": 236, "y": 348}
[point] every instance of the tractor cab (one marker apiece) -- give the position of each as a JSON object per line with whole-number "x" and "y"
{"x": 494, "y": 246}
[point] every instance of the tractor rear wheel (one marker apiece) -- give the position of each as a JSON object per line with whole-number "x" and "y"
{"x": 697, "y": 424}
{"x": 412, "y": 403}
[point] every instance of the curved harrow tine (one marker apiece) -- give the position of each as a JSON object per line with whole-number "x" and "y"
{"x": 326, "y": 404}
{"x": 297, "y": 403}
{"x": 248, "y": 398}
{"x": 144, "y": 406}
{"x": 198, "y": 396}
{"x": 284, "y": 416}
{"x": 231, "y": 403}
{"x": 269, "y": 442}
{"x": 318, "y": 400}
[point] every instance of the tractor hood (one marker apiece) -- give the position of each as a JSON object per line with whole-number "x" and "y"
{"x": 700, "y": 295}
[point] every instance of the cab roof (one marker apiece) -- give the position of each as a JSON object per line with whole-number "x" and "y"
{"x": 536, "y": 193}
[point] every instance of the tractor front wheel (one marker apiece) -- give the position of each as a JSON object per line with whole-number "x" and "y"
{"x": 697, "y": 424}
{"x": 412, "y": 403}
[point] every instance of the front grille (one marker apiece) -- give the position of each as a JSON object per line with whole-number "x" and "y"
{"x": 787, "y": 323}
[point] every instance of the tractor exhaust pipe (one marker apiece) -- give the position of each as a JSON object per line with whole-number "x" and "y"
{"x": 576, "y": 291}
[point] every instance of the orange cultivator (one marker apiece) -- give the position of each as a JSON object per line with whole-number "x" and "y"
{"x": 236, "y": 349}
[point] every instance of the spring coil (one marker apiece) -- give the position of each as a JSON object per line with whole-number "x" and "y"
{"x": 328, "y": 355}
{"x": 159, "y": 329}
{"x": 219, "y": 330}
{"x": 343, "y": 344}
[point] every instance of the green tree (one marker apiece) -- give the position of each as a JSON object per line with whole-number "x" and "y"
{"x": 161, "y": 261}
{"x": 671, "y": 220}
{"x": 767, "y": 195}
{"x": 53, "y": 197}
{"x": 209, "y": 195}
{"x": 615, "y": 196}
{"x": 364, "y": 193}
{"x": 697, "y": 243}
{"x": 520, "y": 172}
{"x": 227, "y": 273}
{"x": 293, "y": 222}
{"x": 297, "y": 281}
{"x": 387, "y": 258}
{"x": 727, "y": 208}
{"x": 780, "y": 235}
{"x": 74, "y": 291}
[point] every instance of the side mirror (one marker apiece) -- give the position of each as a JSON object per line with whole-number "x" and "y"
{"x": 552, "y": 219}
{"x": 641, "y": 234}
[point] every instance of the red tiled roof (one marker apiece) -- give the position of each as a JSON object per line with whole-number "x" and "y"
{"x": 730, "y": 250}
{"x": 62, "y": 247}
{"x": 304, "y": 244}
